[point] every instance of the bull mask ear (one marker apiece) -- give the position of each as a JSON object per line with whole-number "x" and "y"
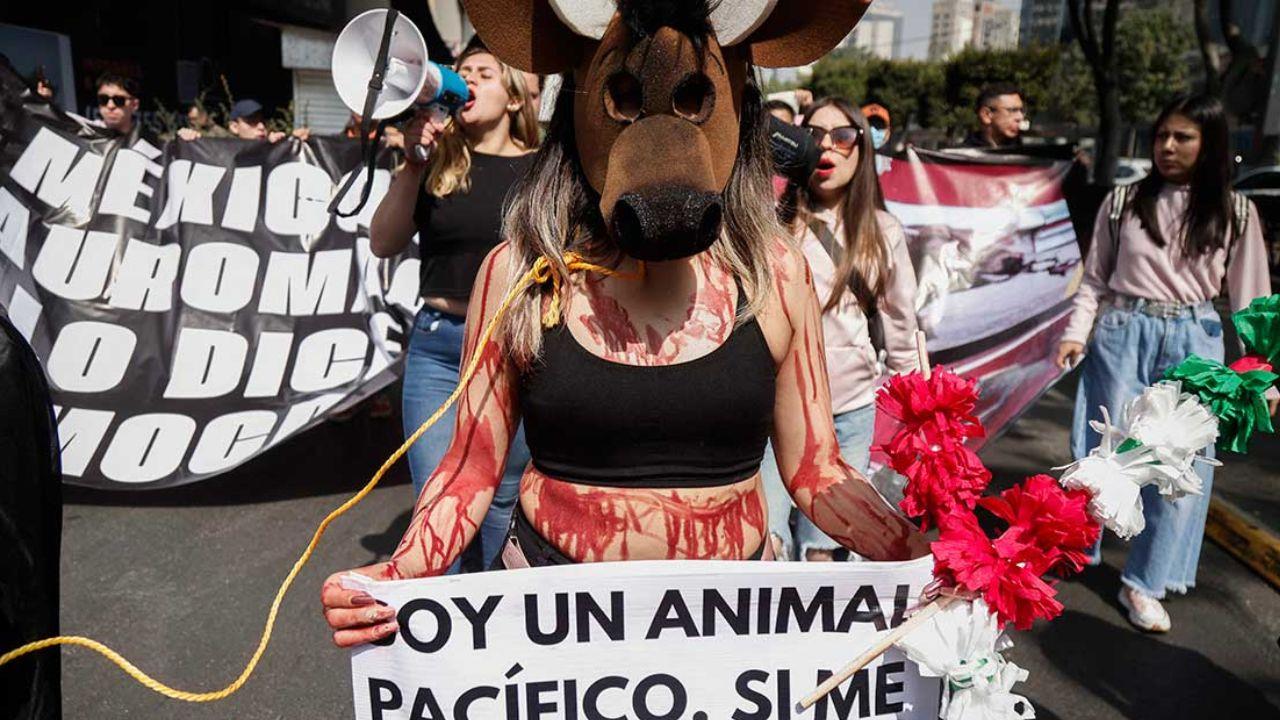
{"x": 526, "y": 34}
{"x": 799, "y": 32}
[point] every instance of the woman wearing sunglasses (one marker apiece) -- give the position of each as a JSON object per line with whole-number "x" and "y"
{"x": 865, "y": 282}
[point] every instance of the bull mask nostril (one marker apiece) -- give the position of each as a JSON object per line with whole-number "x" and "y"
{"x": 709, "y": 228}
{"x": 666, "y": 223}
{"x": 627, "y": 227}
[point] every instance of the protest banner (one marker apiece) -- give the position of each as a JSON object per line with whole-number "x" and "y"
{"x": 667, "y": 640}
{"x": 996, "y": 261}
{"x": 193, "y": 304}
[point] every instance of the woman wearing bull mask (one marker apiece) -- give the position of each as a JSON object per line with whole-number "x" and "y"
{"x": 862, "y": 272}
{"x": 454, "y": 202}
{"x": 649, "y": 381}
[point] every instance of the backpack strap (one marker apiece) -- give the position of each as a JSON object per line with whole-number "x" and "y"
{"x": 829, "y": 243}
{"x": 1119, "y": 199}
{"x": 1240, "y": 213}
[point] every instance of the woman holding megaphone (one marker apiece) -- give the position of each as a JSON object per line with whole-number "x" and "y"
{"x": 453, "y": 201}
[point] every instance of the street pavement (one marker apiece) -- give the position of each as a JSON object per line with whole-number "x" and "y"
{"x": 180, "y": 580}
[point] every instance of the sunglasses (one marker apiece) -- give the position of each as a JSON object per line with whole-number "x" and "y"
{"x": 844, "y": 138}
{"x": 117, "y": 100}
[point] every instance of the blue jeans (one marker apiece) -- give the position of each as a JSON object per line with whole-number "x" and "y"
{"x": 430, "y": 375}
{"x": 854, "y": 432}
{"x": 1129, "y": 351}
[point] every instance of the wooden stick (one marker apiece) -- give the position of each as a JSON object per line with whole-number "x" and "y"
{"x": 883, "y": 643}
{"x": 923, "y": 353}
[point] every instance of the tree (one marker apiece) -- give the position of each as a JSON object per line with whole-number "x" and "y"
{"x": 1072, "y": 100}
{"x": 842, "y": 74}
{"x": 967, "y": 72}
{"x": 1098, "y": 43}
{"x": 1209, "y": 54}
{"x": 1151, "y": 68}
{"x": 911, "y": 89}
{"x": 1241, "y": 80}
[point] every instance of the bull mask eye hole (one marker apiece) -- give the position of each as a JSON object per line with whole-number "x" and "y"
{"x": 694, "y": 98}
{"x": 623, "y": 97}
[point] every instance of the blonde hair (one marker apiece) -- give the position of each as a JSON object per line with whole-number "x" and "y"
{"x": 450, "y": 169}
{"x": 553, "y": 211}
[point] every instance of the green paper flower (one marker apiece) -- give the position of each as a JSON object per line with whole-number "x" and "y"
{"x": 1259, "y": 327}
{"x": 1235, "y": 398}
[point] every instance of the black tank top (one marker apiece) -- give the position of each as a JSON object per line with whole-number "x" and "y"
{"x": 700, "y": 423}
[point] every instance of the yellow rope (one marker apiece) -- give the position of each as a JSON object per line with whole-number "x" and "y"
{"x": 541, "y": 273}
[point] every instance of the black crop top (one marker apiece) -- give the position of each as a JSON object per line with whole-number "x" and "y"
{"x": 699, "y": 423}
{"x": 455, "y": 232}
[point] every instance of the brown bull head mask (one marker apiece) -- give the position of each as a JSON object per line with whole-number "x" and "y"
{"x": 659, "y": 95}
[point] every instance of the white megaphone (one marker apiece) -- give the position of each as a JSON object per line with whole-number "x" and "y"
{"x": 410, "y": 80}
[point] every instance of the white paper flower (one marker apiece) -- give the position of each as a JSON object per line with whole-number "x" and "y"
{"x": 1176, "y": 426}
{"x": 1114, "y": 486}
{"x": 1113, "y": 479}
{"x": 961, "y": 644}
{"x": 990, "y": 698}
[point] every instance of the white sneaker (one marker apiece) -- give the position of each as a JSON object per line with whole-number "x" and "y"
{"x": 1145, "y": 612}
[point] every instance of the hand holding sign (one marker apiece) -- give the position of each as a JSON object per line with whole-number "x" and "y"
{"x": 355, "y": 616}
{"x": 687, "y": 640}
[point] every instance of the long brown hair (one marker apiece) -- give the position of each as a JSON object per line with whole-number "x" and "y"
{"x": 1209, "y": 222}
{"x": 450, "y": 169}
{"x": 864, "y": 266}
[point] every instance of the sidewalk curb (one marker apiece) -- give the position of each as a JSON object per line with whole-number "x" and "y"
{"x": 1238, "y": 534}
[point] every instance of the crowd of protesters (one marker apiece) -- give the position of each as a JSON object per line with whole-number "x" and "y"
{"x": 1161, "y": 253}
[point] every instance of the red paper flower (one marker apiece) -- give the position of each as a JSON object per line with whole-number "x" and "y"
{"x": 1004, "y": 572}
{"x": 944, "y": 403}
{"x": 1042, "y": 513}
{"x": 1251, "y": 362}
{"x": 942, "y": 477}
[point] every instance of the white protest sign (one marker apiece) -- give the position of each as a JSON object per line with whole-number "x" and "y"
{"x": 668, "y": 640}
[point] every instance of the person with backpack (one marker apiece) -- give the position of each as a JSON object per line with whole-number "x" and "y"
{"x": 866, "y": 285}
{"x": 1161, "y": 251}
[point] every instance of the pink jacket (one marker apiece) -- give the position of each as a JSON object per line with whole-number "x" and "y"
{"x": 853, "y": 368}
{"x": 1139, "y": 268}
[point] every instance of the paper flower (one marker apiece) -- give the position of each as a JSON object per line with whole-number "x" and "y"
{"x": 1176, "y": 426}
{"x": 1113, "y": 480}
{"x": 1251, "y": 362}
{"x": 1258, "y": 326}
{"x": 1053, "y": 519}
{"x": 993, "y": 700}
{"x": 1237, "y": 399}
{"x": 940, "y": 478}
{"x": 936, "y": 416}
{"x": 1005, "y": 572}
{"x": 961, "y": 643}
{"x": 943, "y": 404}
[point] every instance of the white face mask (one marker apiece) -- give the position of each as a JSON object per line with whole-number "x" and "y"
{"x": 879, "y": 137}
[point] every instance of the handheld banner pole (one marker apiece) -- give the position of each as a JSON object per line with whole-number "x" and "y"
{"x": 922, "y": 353}
{"x": 886, "y": 641}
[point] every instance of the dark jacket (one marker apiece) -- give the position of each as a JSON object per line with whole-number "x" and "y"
{"x": 30, "y": 531}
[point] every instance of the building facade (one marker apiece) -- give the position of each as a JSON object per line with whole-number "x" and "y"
{"x": 879, "y": 32}
{"x": 1042, "y": 22}
{"x": 951, "y": 28}
{"x": 995, "y": 27}
{"x": 958, "y": 24}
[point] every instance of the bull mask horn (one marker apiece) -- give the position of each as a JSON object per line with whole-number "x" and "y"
{"x": 546, "y": 36}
